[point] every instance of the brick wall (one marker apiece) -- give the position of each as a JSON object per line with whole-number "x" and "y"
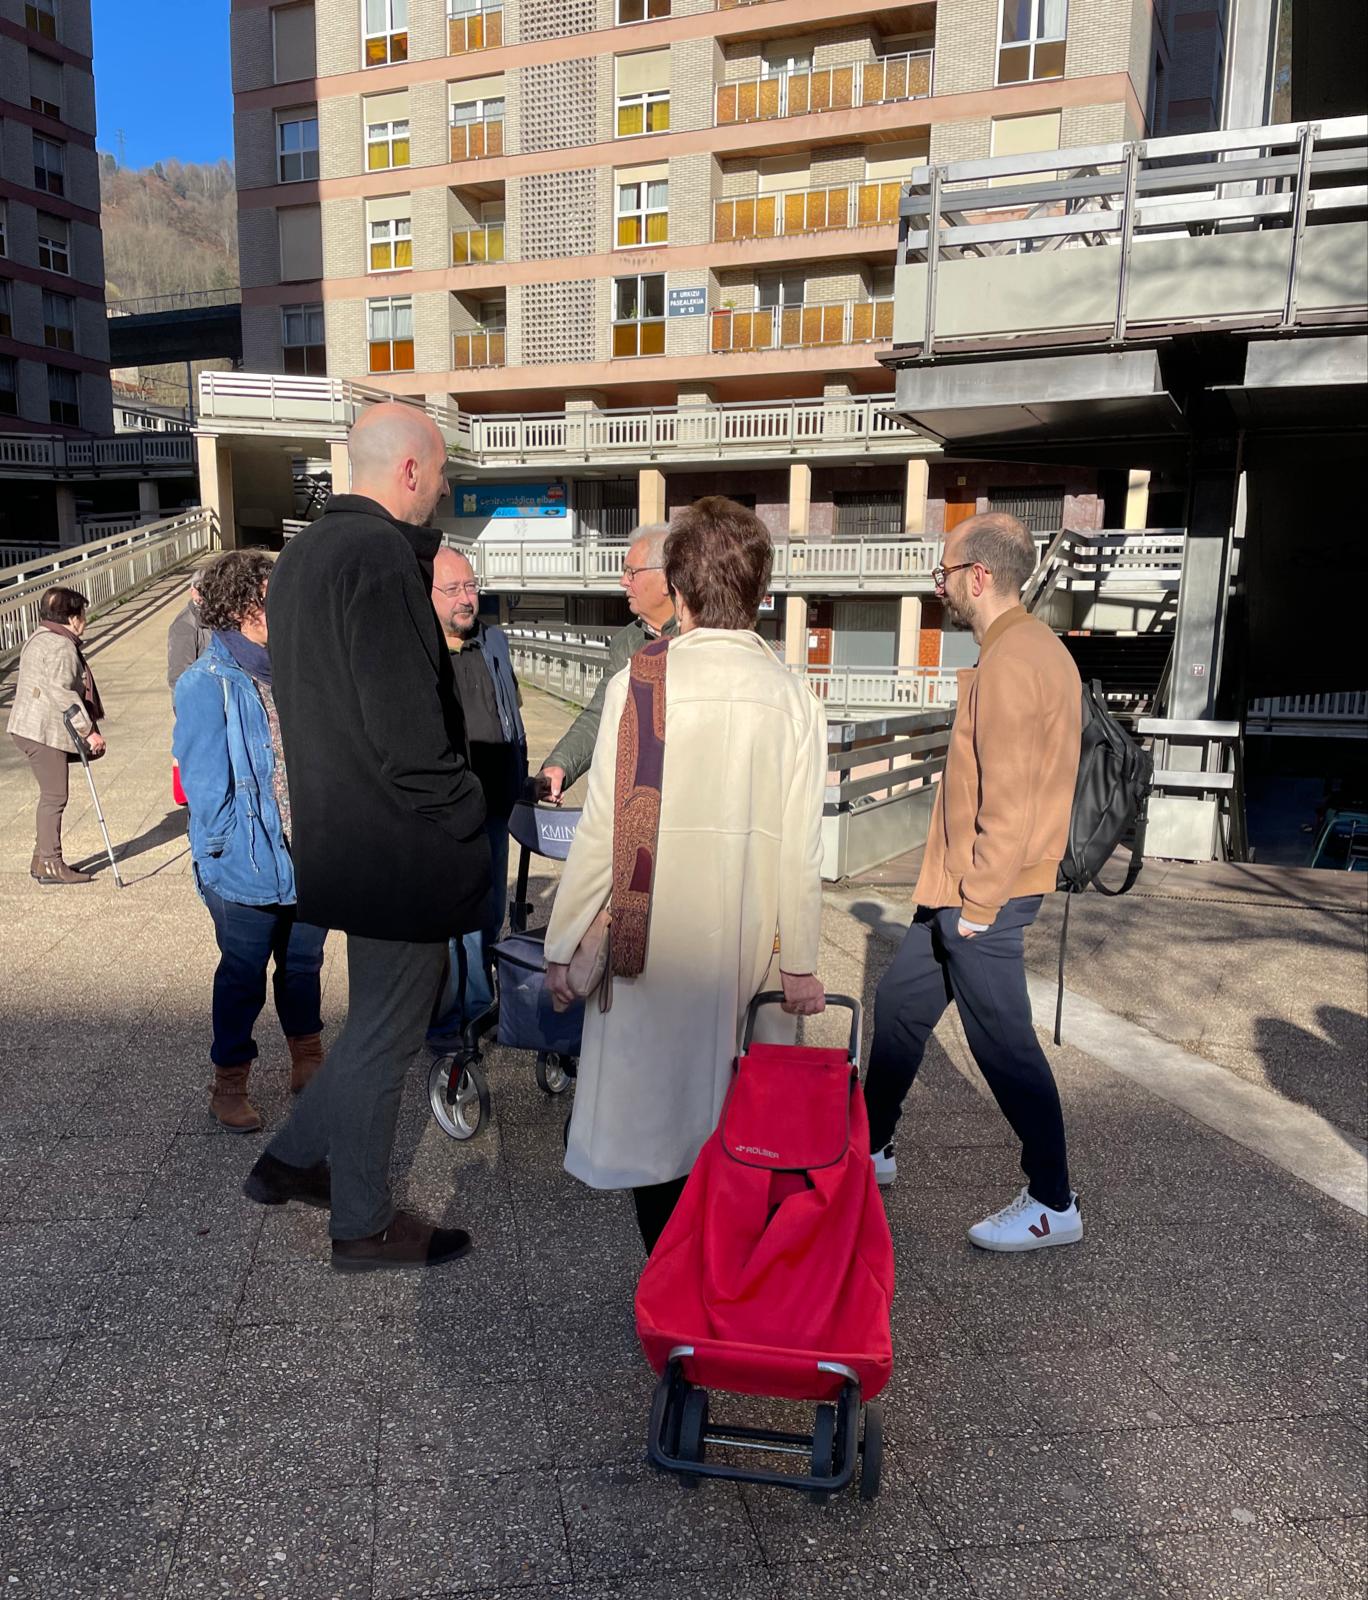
{"x": 341, "y": 137}
{"x": 252, "y": 50}
{"x": 429, "y": 215}
{"x": 254, "y": 148}
{"x": 261, "y": 338}
{"x": 346, "y": 333}
{"x": 429, "y": 124}
{"x": 259, "y": 247}
{"x": 966, "y": 46}
{"x": 339, "y": 36}
{"x": 1100, "y": 36}
{"x": 967, "y": 139}
{"x": 692, "y": 182}
{"x": 344, "y": 238}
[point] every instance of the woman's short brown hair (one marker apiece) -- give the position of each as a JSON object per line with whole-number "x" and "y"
{"x": 231, "y": 587}
{"x": 61, "y": 605}
{"x": 717, "y": 560}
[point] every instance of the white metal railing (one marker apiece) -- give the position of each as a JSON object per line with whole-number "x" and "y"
{"x": 881, "y": 688}
{"x": 277, "y": 399}
{"x": 1344, "y": 708}
{"x": 136, "y": 419}
{"x": 104, "y": 571}
{"x": 12, "y": 555}
{"x": 1227, "y": 227}
{"x": 841, "y": 88}
{"x": 1120, "y": 561}
{"x": 126, "y": 452}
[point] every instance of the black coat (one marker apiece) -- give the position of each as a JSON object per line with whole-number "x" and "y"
{"x": 387, "y": 818}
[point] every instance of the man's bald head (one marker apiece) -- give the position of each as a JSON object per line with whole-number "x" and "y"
{"x": 398, "y": 458}
{"x": 998, "y": 542}
{"x": 455, "y": 595}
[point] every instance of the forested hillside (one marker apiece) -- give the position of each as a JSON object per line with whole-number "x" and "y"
{"x": 169, "y": 227}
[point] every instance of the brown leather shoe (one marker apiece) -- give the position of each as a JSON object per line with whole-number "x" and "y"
{"x": 272, "y": 1182}
{"x": 55, "y": 870}
{"x": 306, "y": 1057}
{"x": 407, "y": 1242}
{"x": 229, "y": 1103}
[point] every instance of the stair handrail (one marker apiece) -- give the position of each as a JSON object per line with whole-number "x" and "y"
{"x": 1045, "y": 579}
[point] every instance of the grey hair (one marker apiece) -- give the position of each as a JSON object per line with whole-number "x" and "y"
{"x": 653, "y": 535}
{"x": 1001, "y": 543}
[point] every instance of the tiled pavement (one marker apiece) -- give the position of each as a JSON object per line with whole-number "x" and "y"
{"x": 192, "y": 1405}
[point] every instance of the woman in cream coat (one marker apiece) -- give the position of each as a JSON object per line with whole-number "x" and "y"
{"x": 736, "y": 903}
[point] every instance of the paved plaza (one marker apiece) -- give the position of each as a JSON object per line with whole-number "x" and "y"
{"x": 192, "y": 1405}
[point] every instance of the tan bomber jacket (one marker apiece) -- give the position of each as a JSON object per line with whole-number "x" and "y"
{"x": 1001, "y": 815}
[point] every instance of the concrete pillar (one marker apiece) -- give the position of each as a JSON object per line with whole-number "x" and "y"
{"x": 216, "y": 486}
{"x": 67, "y": 531}
{"x": 1199, "y": 631}
{"x": 909, "y": 630}
{"x": 795, "y": 630}
{"x": 800, "y": 499}
{"x": 651, "y": 495}
{"x": 914, "y": 496}
{"x": 149, "y": 498}
{"x": 1137, "y": 500}
{"x": 341, "y": 468}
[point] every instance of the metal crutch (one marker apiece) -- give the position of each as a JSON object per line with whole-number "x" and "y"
{"x": 83, "y": 750}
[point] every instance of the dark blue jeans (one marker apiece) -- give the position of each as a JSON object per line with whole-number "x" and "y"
{"x": 248, "y": 938}
{"x": 986, "y": 978}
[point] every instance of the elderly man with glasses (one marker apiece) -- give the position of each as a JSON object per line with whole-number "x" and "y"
{"x": 648, "y": 598}
{"x": 488, "y": 693}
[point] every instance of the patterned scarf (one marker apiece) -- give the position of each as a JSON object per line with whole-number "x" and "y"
{"x": 636, "y": 807}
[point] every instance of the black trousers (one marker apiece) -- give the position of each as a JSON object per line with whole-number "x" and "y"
{"x": 655, "y": 1203}
{"x": 986, "y": 978}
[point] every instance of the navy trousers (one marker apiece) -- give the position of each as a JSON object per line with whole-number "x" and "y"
{"x": 986, "y": 978}
{"x": 248, "y": 938}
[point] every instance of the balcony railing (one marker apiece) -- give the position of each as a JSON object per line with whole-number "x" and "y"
{"x": 471, "y": 140}
{"x": 470, "y": 246}
{"x": 800, "y": 327}
{"x": 481, "y": 347}
{"x": 1309, "y": 713}
{"x": 789, "y": 211}
{"x": 127, "y": 452}
{"x": 795, "y": 94}
{"x": 480, "y": 30}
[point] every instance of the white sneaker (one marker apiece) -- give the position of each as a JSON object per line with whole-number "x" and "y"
{"x": 1025, "y": 1224}
{"x": 885, "y": 1166}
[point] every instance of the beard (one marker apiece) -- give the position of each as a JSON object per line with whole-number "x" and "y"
{"x": 958, "y": 620}
{"x": 463, "y": 623}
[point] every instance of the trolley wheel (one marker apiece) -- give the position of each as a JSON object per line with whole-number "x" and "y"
{"x": 871, "y": 1451}
{"x": 823, "y": 1448}
{"x": 693, "y": 1425}
{"x": 460, "y": 1115}
{"x": 552, "y": 1077}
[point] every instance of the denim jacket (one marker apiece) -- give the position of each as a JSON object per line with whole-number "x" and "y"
{"x": 223, "y": 744}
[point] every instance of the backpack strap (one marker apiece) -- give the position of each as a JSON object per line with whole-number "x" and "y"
{"x": 1137, "y": 860}
{"x": 1063, "y": 943}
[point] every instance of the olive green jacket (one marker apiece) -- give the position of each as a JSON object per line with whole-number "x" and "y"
{"x": 575, "y": 752}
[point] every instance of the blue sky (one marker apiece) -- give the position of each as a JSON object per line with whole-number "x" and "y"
{"x": 166, "y": 82}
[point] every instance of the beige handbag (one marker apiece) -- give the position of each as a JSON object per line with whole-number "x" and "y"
{"x": 589, "y": 970}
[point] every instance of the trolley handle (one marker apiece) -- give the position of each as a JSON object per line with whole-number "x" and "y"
{"x": 838, "y": 1002}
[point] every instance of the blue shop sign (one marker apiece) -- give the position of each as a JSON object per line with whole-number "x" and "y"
{"x": 509, "y": 499}
{"x": 686, "y": 302}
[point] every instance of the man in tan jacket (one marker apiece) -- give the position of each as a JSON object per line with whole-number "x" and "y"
{"x": 997, "y": 834}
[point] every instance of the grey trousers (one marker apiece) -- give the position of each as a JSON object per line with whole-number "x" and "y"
{"x": 348, "y": 1113}
{"x": 51, "y": 769}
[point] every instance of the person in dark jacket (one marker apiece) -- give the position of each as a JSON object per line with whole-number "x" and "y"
{"x": 226, "y": 742}
{"x": 389, "y": 839}
{"x": 497, "y": 741}
{"x": 188, "y": 634}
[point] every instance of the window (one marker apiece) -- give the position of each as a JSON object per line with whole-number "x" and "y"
{"x": 476, "y": 129}
{"x": 59, "y": 321}
{"x": 64, "y": 396}
{"x": 292, "y": 35}
{"x": 474, "y": 25}
{"x": 6, "y": 314}
{"x": 387, "y": 145}
{"x": 643, "y": 212}
{"x": 1040, "y": 508}
{"x": 386, "y": 25}
{"x": 1031, "y": 40}
{"x": 642, "y": 10}
{"x": 41, "y": 16}
{"x": 9, "y": 387}
{"x": 54, "y": 244}
{"x": 390, "y": 332}
{"x": 639, "y": 315}
{"x": 49, "y": 165}
{"x": 301, "y": 243}
{"x": 775, "y": 289}
{"x": 391, "y": 245}
{"x": 297, "y": 146}
{"x": 45, "y": 85}
{"x": 643, "y": 113}
{"x": 868, "y": 513}
{"x": 302, "y": 345}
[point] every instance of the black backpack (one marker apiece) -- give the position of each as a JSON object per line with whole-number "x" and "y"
{"x": 1115, "y": 776}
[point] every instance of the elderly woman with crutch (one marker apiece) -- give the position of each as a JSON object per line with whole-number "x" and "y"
{"x": 55, "y": 683}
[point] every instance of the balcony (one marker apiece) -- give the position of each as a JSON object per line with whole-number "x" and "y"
{"x": 471, "y": 246}
{"x": 790, "y": 211}
{"x": 472, "y": 140}
{"x": 126, "y": 455}
{"x": 796, "y": 94}
{"x": 480, "y": 347}
{"x": 802, "y": 327}
{"x": 476, "y": 30}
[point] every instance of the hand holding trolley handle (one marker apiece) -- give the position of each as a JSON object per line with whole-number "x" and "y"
{"x": 838, "y": 1002}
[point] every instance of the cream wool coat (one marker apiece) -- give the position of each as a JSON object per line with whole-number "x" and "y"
{"x": 739, "y": 861}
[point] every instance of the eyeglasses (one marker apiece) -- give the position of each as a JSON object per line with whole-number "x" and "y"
{"x": 940, "y": 574}
{"x": 630, "y": 573}
{"x": 458, "y": 588}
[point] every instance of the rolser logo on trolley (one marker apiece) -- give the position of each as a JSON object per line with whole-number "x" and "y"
{"x": 756, "y": 1150}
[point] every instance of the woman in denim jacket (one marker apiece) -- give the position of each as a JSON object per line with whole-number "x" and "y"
{"x": 227, "y": 741}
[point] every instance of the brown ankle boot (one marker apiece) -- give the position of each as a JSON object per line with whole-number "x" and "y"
{"x": 306, "y": 1057}
{"x": 55, "y": 870}
{"x": 229, "y": 1103}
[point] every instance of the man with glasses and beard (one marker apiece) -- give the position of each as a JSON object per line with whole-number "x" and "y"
{"x": 488, "y": 692}
{"x": 997, "y": 834}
